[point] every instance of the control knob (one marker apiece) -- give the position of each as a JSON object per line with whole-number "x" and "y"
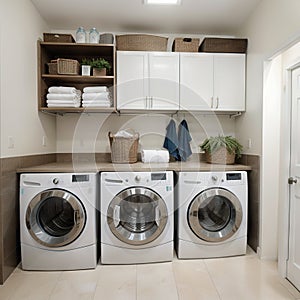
{"x": 55, "y": 180}
{"x": 138, "y": 178}
{"x": 214, "y": 178}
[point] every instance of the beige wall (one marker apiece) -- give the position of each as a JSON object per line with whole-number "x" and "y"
{"x": 21, "y": 26}
{"x": 89, "y": 133}
{"x": 272, "y": 27}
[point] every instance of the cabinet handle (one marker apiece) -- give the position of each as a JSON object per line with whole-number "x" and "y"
{"x": 151, "y": 102}
{"x": 146, "y": 102}
{"x": 217, "y": 102}
{"x": 212, "y": 102}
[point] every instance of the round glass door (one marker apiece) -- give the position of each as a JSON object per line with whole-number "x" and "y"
{"x": 55, "y": 218}
{"x": 137, "y": 216}
{"x": 215, "y": 215}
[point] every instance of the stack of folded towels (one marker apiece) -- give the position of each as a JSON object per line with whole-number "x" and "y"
{"x": 63, "y": 96}
{"x": 96, "y": 96}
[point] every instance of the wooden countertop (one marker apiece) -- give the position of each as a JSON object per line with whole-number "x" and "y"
{"x": 85, "y": 167}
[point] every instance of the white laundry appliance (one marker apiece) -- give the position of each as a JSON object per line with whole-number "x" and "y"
{"x": 136, "y": 217}
{"x": 211, "y": 214}
{"x": 58, "y": 219}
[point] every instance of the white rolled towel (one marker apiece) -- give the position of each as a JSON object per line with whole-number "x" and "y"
{"x": 62, "y": 90}
{"x": 95, "y": 96}
{"x": 95, "y": 89}
{"x": 71, "y": 97}
{"x": 64, "y": 105}
{"x": 155, "y": 156}
{"x": 63, "y": 101}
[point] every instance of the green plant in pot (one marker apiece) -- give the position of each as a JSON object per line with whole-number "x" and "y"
{"x": 99, "y": 65}
{"x": 221, "y": 149}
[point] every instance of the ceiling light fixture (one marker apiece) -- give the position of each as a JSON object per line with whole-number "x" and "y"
{"x": 162, "y": 2}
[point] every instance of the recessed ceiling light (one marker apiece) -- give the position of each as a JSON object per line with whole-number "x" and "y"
{"x": 163, "y": 2}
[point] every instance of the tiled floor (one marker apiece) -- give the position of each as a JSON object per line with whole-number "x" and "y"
{"x": 235, "y": 278}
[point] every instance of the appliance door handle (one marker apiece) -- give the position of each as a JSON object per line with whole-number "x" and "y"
{"x": 157, "y": 216}
{"x": 146, "y": 102}
{"x": 217, "y": 102}
{"x": 76, "y": 217}
{"x": 116, "y": 215}
{"x": 212, "y": 102}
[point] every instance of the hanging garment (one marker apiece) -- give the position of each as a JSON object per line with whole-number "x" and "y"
{"x": 184, "y": 139}
{"x": 171, "y": 140}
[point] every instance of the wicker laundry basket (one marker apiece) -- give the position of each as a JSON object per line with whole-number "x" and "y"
{"x": 64, "y": 66}
{"x": 185, "y": 45}
{"x": 123, "y": 149}
{"x": 141, "y": 42}
{"x": 221, "y": 156}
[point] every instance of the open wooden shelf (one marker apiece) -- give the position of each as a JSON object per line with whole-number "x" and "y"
{"x": 48, "y": 51}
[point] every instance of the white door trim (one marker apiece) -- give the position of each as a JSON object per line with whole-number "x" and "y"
{"x": 284, "y": 164}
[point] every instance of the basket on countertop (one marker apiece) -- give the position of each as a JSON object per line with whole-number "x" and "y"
{"x": 185, "y": 45}
{"x": 123, "y": 149}
{"x": 58, "y": 38}
{"x": 220, "y": 156}
{"x": 64, "y": 66}
{"x": 141, "y": 42}
{"x": 224, "y": 45}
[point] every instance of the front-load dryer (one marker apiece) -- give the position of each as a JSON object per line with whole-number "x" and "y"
{"x": 136, "y": 217}
{"x": 211, "y": 214}
{"x": 58, "y": 220}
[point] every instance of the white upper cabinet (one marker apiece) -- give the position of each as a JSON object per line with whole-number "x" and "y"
{"x": 196, "y": 81}
{"x": 212, "y": 82}
{"x": 147, "y": 80}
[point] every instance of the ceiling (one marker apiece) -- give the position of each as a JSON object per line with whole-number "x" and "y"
{"x": 192, "y": 16}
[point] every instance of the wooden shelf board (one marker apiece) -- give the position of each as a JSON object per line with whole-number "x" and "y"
{"x": 78, "y": 78}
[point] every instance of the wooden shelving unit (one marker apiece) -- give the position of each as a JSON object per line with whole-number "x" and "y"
{"x": 48, "y": 51}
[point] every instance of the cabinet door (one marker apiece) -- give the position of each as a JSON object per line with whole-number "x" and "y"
{"x": 163, "y": 80}
{"x": 196, "y": 81}
{"x": 229, "y": 82}
{"x": 132, "y": 85}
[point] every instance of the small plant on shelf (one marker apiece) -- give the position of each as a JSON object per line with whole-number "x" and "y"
{"x": 99, "y": 65}
{"x": 222, "y": 149}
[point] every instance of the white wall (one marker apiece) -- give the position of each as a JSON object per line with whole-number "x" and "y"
{"x": 89, "y": 133}
{"x": 21, "y": 26}
{"x": 272, "y": 26}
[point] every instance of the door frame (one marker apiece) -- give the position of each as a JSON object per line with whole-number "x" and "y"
{"x": 284, "y": 165}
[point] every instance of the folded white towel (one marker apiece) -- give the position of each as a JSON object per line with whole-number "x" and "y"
{"x": 62, "y": 90}
{"x": 64, "y": 105}
{"x": 63, "y": 96}
{"x": 95, "y": 89}
{"x": 95, "y": 101}
{"x": 155, "y": 156}
{"x": 63, "y": 101}
{"x": 96, "y": 105}
{"x": 95, "y": 96}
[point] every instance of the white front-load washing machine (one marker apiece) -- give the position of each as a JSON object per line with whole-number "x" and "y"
{"x": 136, "y": 217}
{"x": 58, "y": 219}
{"x": 211, "y": 214}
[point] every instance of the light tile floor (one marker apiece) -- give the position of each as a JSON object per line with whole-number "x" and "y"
{"x": 234, "y": 278}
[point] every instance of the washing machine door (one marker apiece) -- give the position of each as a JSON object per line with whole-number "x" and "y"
{"x": 137, "y": 216}
{"x": 55, "y": 218}
{"x": 215, "y": 215}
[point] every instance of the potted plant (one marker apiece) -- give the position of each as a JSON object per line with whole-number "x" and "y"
{"x": 85, "y": 67}
{"x": 221, "y": 149}
{"x": 99, "y": 65}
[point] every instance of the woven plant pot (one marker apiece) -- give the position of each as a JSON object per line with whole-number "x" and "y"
{"x": 221, "y": 156}
{"x": 99, "y": 72}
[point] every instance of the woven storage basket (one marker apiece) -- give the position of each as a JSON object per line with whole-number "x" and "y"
{"x": 221, "y": 156}
{"x": 64, "y": 66}
{"x": 224, "y": 45}
{"x": 123, "y": 149}
{"x": 58, "y": 38}
{"x": 185, "y": 45}
{"x": 141, "y": 42}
